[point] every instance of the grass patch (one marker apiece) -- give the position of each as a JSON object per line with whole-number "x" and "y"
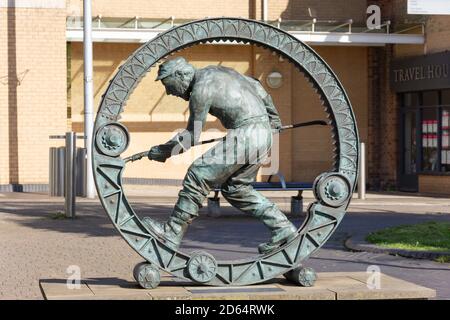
{"x": 60, "y": 215}
{"x": 427, "y": 236}
{"x": 443, "y": 259}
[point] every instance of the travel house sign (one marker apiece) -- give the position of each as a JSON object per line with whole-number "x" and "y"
{"x": 421, "y": 73}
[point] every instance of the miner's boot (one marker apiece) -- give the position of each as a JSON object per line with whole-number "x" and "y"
{"x": 173, "y": 230}
{"x": 282, "y": 229}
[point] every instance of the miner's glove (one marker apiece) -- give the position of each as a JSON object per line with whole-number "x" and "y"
{"x": 160, "y": 153}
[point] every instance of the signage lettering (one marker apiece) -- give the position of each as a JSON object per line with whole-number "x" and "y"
{"x": 428, "y": 72}
{"x": 421, "y": 73}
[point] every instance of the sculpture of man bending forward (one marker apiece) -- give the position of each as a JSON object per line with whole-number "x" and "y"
{"x": 247, "y": 111}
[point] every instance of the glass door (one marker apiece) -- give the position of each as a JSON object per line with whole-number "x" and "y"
{"x": 409, "y": 147}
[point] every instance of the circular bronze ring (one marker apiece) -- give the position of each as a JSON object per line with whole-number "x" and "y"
{"x": 321, "y": 220}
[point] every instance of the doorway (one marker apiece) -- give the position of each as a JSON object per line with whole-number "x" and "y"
{"x": 409, "y": 146}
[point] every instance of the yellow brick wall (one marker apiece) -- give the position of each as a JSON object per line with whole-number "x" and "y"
{"x": 322, "y": 10}
{"x": 286, "y": 9}
{"x": 152, "y": 116}
{"x": 32, "y": 91}
{"x": 165, "y": 9}
{"x": 265, "y": 62}
{"x": 437, "y": 38}
{"x": 312, "y": 147}
{"x": 4, "y": 90}
{"x": 438, "y": 34}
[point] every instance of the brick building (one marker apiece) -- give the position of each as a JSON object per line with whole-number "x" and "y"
{"x": 41, "y": 84}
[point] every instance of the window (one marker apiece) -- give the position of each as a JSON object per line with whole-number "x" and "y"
{"x": 429, "y": 139}
{"x": 411, "y": 99}
{"x": 433, "y": 111}
{"x": 445, "y": 149}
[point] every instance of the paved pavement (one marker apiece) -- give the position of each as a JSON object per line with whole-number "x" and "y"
{"x": 35, "y": 246}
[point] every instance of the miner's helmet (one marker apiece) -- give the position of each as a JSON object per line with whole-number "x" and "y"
{"x": 169, "y": 67}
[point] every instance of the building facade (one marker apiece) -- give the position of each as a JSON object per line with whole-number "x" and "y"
{"x": 41, "y": 85}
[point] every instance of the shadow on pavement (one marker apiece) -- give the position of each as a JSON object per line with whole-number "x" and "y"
{"x": 232, "y": 234}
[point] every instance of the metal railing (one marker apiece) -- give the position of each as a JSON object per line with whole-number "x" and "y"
{"x": 313, "y": 25}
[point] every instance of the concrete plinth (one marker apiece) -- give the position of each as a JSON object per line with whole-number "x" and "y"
{"x": 329, "y": 286}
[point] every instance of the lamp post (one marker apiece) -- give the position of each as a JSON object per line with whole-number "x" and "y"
{"x": 88, "y": 95}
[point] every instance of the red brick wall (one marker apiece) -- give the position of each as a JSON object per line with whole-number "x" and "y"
{"x": 382, "y": 146}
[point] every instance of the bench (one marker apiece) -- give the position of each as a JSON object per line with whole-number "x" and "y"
{"x": 282, "y": 185}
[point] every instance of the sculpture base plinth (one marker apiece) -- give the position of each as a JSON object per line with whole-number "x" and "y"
{"x": 329, "y": 286}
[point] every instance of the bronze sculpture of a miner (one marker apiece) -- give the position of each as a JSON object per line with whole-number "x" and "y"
{"x": 233, "y": 99}
{"x": 246, "y": 110}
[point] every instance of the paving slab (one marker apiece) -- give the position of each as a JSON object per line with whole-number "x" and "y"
{"x": 329, "y": 286}
{"x": 255, "y": 292}
{"x": 389, "y": 288}
{"x": 116, "y": 287}
{"x": 55, "y": 289}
